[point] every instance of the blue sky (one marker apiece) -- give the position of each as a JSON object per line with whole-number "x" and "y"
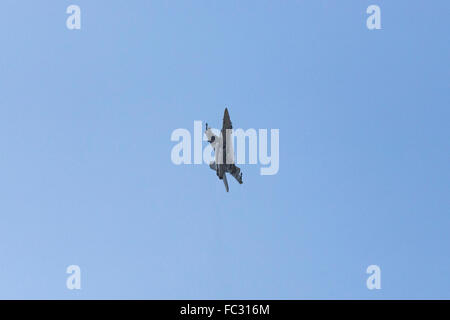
{"x": 86, "y": 177}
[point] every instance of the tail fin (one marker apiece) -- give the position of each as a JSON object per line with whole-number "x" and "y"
{"x": 225, "y": 181}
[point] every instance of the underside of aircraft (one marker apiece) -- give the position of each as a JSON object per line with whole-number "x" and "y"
{"x": 224, "y": 153}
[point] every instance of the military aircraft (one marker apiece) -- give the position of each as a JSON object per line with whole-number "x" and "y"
{"x": 223, "y": 152}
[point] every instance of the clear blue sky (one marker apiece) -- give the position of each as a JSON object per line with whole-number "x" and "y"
{"x": 85, "y": 170}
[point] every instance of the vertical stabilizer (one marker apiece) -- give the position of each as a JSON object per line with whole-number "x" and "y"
{"x": 225, "y": 181}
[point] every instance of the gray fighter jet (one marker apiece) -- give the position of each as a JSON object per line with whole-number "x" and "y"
{"x": 223, "y": 151}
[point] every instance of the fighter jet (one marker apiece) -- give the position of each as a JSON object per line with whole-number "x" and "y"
{"x": 223, "y": 152}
